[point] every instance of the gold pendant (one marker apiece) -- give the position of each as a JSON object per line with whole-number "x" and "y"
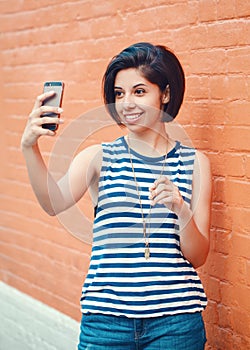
{"x": 147, "y": 253}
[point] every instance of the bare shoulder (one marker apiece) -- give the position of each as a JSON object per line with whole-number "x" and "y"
{"x": 202, "y": 178}
{"x": 90, "y": 157}
{"x": 201, "y": 164}
{"x": 91, "y": 151}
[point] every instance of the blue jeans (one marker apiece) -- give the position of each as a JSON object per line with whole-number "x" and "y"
{"x": 178, "y": 332}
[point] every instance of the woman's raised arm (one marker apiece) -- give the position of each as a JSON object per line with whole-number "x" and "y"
{"x": 54, "y": 197}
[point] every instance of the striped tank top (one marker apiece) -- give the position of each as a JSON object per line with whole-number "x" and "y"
{"x": 120, "y": 281}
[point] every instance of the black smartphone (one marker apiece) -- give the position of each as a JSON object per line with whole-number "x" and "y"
{"x": 54, "y": 101}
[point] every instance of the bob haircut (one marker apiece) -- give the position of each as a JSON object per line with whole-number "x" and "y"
{"x": 158, "y": 65}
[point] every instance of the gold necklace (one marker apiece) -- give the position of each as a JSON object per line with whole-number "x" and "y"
{"x": 144, "y": 223}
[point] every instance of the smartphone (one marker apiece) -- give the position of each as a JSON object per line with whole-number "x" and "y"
{"x": 54, "y": 101}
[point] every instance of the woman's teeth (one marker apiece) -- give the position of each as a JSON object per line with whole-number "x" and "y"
{"x": 132, "y": 117}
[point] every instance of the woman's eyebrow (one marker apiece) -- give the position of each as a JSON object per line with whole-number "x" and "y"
{"x": 135, "y": 86}
{"x": 140, "y": 84}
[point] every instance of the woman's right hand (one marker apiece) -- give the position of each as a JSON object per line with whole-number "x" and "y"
{"x": 34, "y": 129}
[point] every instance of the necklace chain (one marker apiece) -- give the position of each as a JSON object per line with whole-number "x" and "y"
{"x": 144, "y": 222}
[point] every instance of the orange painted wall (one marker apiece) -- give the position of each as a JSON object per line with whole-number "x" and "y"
{"x": 73, "y": 41}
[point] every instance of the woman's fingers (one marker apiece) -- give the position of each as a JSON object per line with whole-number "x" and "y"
{"x": 31, "y": 134}
{"x": 161, "y": 179}
{"x": 45, "y": 120}
{"x": 160, "y": 185}
{"x": 41, "y": 98}
{"x": 165, "y": 192}
{"x": 40, "y": 115}
{"x": 160, "y": 193}
{"x": 39, "y": 111}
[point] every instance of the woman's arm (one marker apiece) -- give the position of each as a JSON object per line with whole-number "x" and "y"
{"x": 54, "y": 197}
{"x": 194, "y": 222}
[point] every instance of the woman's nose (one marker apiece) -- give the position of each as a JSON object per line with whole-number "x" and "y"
{"x": 128, "y": 101}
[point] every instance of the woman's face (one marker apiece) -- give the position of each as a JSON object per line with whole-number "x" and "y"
{"x": 138, "y": 102}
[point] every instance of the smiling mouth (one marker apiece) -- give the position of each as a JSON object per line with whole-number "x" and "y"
{"x": 133, "y": 117}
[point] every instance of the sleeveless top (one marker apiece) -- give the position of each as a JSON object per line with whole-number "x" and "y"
{"x": 120, "y": 280}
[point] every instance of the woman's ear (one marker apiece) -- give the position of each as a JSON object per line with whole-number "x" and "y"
{"x": 166, "y": 118}
{"x": 166, "y": 95}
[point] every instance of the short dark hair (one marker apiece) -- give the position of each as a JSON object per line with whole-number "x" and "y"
{"x": 158, "y": 64}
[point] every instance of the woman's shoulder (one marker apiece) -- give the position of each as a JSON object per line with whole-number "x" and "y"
{"x": 115, "y": 143}
{"x": 191, "y": 149}
{"x": 115, "y": 147}
{"x": 90, "y": 157}
{"x": 202, "y": 165}
{"x": 96, "y": 150}
{"x": 91, "y": 150}
{"x": 200, "y": 159}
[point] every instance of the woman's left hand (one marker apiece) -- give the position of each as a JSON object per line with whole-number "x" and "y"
{"x": 165, "y": 192}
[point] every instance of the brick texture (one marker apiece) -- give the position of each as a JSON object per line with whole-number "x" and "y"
{"x": 73, "y": 41}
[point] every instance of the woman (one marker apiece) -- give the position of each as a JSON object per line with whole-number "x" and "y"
{"x": 152, "y": 197}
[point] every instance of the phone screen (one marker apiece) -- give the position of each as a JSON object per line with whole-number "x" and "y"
{"x": 54, "y": 101}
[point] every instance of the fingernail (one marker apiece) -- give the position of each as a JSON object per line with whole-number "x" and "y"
{"x": 60, "y": 110}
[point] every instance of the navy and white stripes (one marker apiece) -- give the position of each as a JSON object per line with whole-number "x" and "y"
{"x": 120, "y": 280}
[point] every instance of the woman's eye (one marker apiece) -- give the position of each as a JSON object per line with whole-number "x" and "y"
{"x": 139, "y": 91}
{"x": 118, "y": 94}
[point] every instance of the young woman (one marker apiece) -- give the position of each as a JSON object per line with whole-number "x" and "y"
{"x": 152, "y": 203}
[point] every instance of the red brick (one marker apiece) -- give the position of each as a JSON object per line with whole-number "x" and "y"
{"x": 241, "y": 244}
{"x": 238, "y": 58}
{"x": 228, "y": 88}
{"x": 223, "y": 238}
{"x": 227, "y": 34}
{"x": 217, "y": 264}
{"x": 237, "y": 138}
{"x": 241, "y": 321}
{"x": 225, "y": 9}
{"x": 248, "y": 272}
{"x": 237, "y": 192}
{"x": 150, "y": 19}
{"x": 247, "y": 166}
{"x": 213, "y": 293}
{"x": 207, "y": 10}
{"x": 238, "y": 113}
{"x": 228, "y": 294}
{"x": 203, "y": 112}
{"x": 227, "y": 164}
{"x": 5, "y": 6}
{"x": 211, "y": 313}
{"x": 219, "y": 190}
{"x": 241, "y": 222}
{"x": 225, "y": 316}
{"x": 208, "y": 61}
{"x": 237, "y": 269}
{"x": 222, "y": 338}
{"x": 241, "y": 342}
{"x": 242, "y": 8}
{"x": 69, "y": 308}
{"x": 197, "y": 88}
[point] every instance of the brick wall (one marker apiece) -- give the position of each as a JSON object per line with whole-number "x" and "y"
{"x": 73, "y": 41}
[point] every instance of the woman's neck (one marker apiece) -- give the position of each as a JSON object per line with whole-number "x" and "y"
{"x": 150, "y": 143}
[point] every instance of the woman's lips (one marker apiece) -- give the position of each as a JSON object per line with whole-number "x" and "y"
{"x": 132, "y": 117}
